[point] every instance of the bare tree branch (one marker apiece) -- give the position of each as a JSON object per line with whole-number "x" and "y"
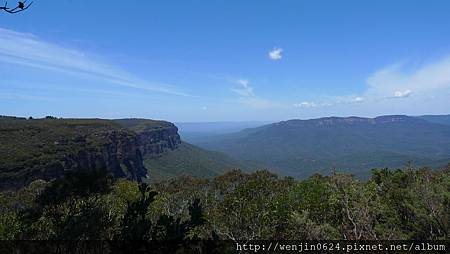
{"x": 21, "y": 6}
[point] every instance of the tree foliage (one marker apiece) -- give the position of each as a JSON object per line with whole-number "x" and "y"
{"x": 393, "y": 204}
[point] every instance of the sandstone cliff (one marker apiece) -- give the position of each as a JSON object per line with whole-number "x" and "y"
{"x": 153, "y": 143}
{"x": 46, "y": 148}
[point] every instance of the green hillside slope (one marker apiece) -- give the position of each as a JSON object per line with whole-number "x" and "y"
{"x": 190, "y": 160}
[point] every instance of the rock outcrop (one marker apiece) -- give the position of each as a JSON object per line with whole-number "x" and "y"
{"x": 46, "y": 148}
{"x": 153, "y": 143}
{"x": 119, "y": 154}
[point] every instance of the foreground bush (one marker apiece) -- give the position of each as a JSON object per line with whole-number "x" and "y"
{"x": 393, "y": 204}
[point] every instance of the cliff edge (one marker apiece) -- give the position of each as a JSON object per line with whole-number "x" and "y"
{"x": 45, "y": 148}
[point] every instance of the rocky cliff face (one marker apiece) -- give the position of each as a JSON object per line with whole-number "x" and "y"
{"x": 333, "y": 121}
{"x": 153, "y": 143}
{"x": 119, "y": 154}
{"x": 45, "y": 149}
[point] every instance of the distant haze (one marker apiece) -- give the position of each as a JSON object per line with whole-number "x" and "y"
{"x": 218, "y": 127}
{"x": 196, "y": 131}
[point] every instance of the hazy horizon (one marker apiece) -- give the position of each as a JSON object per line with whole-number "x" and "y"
{"x": 219, "y": 122}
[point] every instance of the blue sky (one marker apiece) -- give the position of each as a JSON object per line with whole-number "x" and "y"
{"x": 225, "y": 60}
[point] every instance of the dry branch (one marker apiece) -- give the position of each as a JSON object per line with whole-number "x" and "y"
{"x": 21, "y": 6}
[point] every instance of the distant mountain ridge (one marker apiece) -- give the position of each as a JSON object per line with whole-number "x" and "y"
{"x": 441, "y": 119}
{"x": 303, "y": 147}
{"x": 352, "y": 120}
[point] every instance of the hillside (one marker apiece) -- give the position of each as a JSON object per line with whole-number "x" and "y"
{"x": 441, "y": 119}
{"x": 303, "y": 147}
{"x": 190, "y": 160}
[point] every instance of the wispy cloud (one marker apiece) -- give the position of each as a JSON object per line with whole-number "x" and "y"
{"x": 329, "y": 101}
{"x": 305, "y": 104}
{"x": 397, "y": 81}
{"x": 29, "y": 50}
{"x": 402, "y": 94}
{"x": 358, "y": 99}
{"x": 248, "y": 97}
{"x": 245, "y": 90}
{"x": 276, "y": 54}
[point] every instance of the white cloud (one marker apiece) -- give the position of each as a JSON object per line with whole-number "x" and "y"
{"x": 276, "y": 54}
{"x": 424, "y": 80}
{"x": 402, "y": 94}
{"x": 329, "y": 101}
{"x": 358, "y": 99}
{"x": 28, "y": 50}
{"x": 305, "y": 104}
{"x": 419, "y": 84}
{"x": 427, "y": 83}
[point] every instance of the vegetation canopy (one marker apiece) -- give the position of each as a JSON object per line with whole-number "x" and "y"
{"x": 91, "y": 205}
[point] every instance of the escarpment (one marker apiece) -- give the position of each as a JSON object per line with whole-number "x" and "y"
{"x": 153, "y": 143}
{"x": 119, "y": 154}
{"x": 154, "y": 137}
{"x": 46, "y": 148}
